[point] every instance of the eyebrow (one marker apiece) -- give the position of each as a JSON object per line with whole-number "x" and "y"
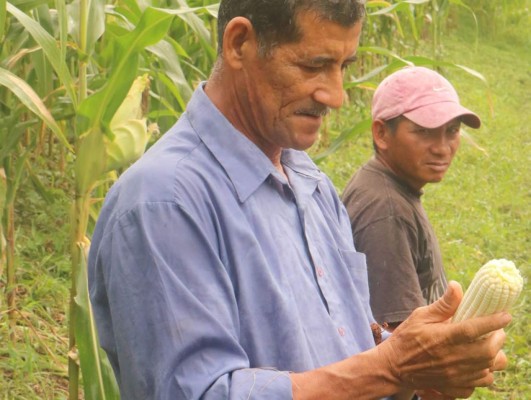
{"x": 352, "y": 59}
{"x": 329, "y": 60}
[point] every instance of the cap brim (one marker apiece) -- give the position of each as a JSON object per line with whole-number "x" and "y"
{"x": 435, "y": 115}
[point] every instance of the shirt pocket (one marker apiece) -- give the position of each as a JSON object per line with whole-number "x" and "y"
{"x": 357, "y": 266}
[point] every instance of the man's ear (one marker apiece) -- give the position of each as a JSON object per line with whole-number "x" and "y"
{"x": 380, "y": 134}
{"x": 238, "y": 39}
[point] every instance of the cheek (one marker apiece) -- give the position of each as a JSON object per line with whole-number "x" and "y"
{"x": 454, "y": 145}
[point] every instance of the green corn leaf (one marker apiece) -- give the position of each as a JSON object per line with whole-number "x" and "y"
{"x": 32, "y": 101}
{"x": 376, "y": 4}
{"x": 62, "y": 24}
{"x": 43, "y": 84}
{"x": 382, "y": 51}
{"x": 28, "y": 4}
{"x": 190, "y": 17}
{"x": 365, "y": 78}
{"x": 99, "y": 108}
{"x": 131, "y": 9}
{"x": 95, "y": 22}
{"x": 3, "y": 195}
{"x": 50, "y": 48}
{"x": 3, "y": 15}
{"x": 10, "y": 143}
{"x": 358, "y": 129}
{"x": 400, "y": 62}
{"x": 98, "y": 376}
{"x": 426, "y": 61}
{"x": 40, "y": 188}
{"x": 171, "y": 64}
{"x": 170, "y": 85}
{"x": 90, "y": 160}
{"x": 462, "y": 4}
{"x": 15, "y": 174}
{"x": 397, "y": 6}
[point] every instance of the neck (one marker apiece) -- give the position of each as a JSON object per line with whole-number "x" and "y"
{"x": 221, "y": 90}
{"x": 411, "y": 185}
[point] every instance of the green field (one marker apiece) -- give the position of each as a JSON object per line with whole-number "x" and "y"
{"x": 480, "y": 211}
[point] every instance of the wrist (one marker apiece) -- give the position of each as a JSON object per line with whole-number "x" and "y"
{"x": 367, "y": 375}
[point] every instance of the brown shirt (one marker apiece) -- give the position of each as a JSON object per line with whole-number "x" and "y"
{"x": 391, "y": 227}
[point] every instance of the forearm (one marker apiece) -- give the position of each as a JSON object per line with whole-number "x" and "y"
{"x": 363, "y": 376}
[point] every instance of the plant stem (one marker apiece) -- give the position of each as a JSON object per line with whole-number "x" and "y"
{"x": 10, "y": 265}
{"x": 79, "y": 219}
{"x": 78, "y": 216}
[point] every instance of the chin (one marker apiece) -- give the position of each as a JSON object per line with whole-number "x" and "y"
{"x": 436, "y": 180}
{"x": 304, "y": 141}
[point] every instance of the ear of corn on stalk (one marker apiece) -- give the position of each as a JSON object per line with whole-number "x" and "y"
{"x": 129, "y": 127}
{"x": 495, "y": 288}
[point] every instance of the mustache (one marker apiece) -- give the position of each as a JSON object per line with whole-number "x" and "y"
{"x": 315, "y": 110}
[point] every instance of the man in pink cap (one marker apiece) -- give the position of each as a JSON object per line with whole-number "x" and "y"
{"x": 416, "y": 121}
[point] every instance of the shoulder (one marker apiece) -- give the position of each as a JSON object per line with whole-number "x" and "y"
{"x": 178, "y": 170}
{"x": 372, "y": 195}
{"x": 369, "y": 187}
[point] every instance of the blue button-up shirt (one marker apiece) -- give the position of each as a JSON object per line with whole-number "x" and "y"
{"x": 211, "y": 276}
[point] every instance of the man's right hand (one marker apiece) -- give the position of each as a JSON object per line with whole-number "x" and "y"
{"x": 428, "y": 352}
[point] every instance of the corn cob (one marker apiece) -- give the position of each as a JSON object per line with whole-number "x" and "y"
{"x": 495, "y": 288}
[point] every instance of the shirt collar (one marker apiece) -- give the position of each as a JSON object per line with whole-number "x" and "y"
{"x": 245, "y": 164}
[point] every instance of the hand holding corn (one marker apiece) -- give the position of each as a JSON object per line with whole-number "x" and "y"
{"x": 495, "y": 288}
{"x": 428, "y": 353}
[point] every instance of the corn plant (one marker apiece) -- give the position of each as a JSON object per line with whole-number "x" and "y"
{"x": 94, "y": 75}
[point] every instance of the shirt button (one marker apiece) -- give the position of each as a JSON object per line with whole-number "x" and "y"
{"x": 341, "y": 331}
{"x": 320, "y": 272}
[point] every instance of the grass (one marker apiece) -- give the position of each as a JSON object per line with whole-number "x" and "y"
{"x": 35, "y": 365}
{"x": 480, "y": 211}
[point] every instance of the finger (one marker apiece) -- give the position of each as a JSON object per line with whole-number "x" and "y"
{"x": 444, "y": 308}
{"x": 477, "y": 328}
{"x": 430, "y": 394}
{"x": 456, "y": 392}
{"x": 486, "y": 380}
{"x": 500, "y": 362}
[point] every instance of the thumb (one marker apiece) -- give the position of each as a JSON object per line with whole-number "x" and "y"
{"x": 446, "y": 306}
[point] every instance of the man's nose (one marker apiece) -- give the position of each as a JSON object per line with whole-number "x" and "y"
{"x": 442, "y": 144}
{"x": 330, "y": 91}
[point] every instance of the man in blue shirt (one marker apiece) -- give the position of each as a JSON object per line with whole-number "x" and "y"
{"x": 222, "y": 264}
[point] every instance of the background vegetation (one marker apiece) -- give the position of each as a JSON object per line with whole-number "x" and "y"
{"x": 67, "y": 130}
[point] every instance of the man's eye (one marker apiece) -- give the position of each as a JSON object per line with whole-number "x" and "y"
{"x": 311, "y": 67}
{"x": 422, "y": 131}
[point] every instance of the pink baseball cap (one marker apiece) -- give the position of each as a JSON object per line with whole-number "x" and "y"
{"x": 421, "y": 95}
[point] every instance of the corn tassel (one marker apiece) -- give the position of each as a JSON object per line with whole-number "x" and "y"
{"x": 495, "y": 288}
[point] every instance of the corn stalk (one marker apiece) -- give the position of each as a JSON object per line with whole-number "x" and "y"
{"x": 112, "y": 133}
{"x": 108, "y": 122}
{"x": 3, "y": 248}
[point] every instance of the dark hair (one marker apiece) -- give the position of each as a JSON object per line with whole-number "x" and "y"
{"x": 274, "y": 20}
{"x": 391, "y": 125}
